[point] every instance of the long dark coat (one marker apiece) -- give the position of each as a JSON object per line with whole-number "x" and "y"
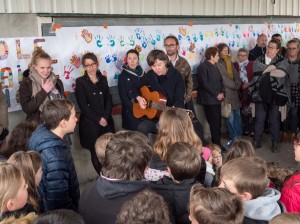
{"x": 94, "y": 101}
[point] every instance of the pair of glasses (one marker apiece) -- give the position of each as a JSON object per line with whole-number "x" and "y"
{"x": 242, "y": 55}
{"x": 170, "y": 45}
{"x": 293, "y": 48}
{"x": 90, "y": 65}
{"x": 271, "y": 48}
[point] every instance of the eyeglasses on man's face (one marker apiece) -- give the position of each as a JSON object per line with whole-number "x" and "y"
{"x": 292, "y": 48}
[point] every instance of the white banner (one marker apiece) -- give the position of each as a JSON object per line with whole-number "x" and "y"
{"x": 110, "y": 43}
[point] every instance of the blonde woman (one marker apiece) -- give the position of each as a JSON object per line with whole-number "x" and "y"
{"x": 174, "y": 125}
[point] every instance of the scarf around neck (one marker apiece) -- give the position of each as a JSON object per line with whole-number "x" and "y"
{"x": 37, "y": 84}
{"x": 228, "y": 64}
{"x": 243, "y": 71}
{"x": 138, "y": 71}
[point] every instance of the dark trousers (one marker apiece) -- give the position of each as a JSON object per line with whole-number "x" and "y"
{"x": 196, "y": 123}
{"x": 148, "y": 126}
{"x": 213, "y": 116}
{"x": 291, "y": 122}
{"x": 260, "y": 117}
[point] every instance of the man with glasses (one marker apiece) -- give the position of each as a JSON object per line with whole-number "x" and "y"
{"x": 171, "y": 45}
{"x": 260, "y": 47}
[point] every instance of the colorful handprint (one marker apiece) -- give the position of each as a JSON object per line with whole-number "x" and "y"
{"x": 87, "y": 36}
{"x": 99, "y": 39}
{"x": 67, "y": 71}
{"x": 111, "y": 40}
{"x": 75, "y": 61}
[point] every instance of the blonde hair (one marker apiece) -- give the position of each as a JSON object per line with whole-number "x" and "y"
{"x": 24, "y": 161}
{"x": 175, "y": 125}
{"x": 214, "y": 148}
{"x": 290, "y": 218}
{"x": 38, "y": 54}
{"x": 10, "y": 182}
{"x": 100, "y": 146}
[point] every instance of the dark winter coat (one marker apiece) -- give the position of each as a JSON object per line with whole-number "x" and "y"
{"x": 171, "y": 85}
{"x": 128, "y": 88}
{"x": 176, "y": 195}
{"x": 210, "y": 84}
{"x": 94, "y": 101}
{"x": 101, "y": 200}
{"x": 59, "y": 186}
{"x": 256, "y": 52}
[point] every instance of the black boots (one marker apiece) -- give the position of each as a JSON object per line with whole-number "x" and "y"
{"x": 275, "y": 146}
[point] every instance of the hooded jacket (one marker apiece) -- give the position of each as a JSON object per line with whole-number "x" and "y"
{"x": 176, "y": 195}
{"x": 102, "y": 199}
{"x": 59, "y": 186}
{"x": 264, "y": 208}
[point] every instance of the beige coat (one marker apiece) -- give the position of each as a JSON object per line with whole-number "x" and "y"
{"x": 232, "y": 86}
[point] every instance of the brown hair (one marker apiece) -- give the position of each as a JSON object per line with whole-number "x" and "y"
{"x": 183, "y": 160}
{"x": 91, "y": 56}
{"x": 240, "y": 148}
{"x": 243, "y": 50}
{"x": 175, "y": 125}
{"x": 278, "y": 44}
{"x": 215, "y": 205}
{"x": 210, "y": 52}
{"x": 221, "y": 46}
{"x": 249, "y": 174}
{"x": 278, "y": 174}
{"x": 19, "y": 138}
{"x": 55, "y": 111}
{"x": 38, "y": 54}
{"x": 24, "y": 161}
{"x": 10, "y": 182}
{"x": 100, "y": 146}
{"x": 145, "y": 207}
{"x": 157, "y": 55}
{"x": 59, "y": 216}
{"x": 290, "y": 218}
{"x": 172, "y": 37}
{"x": 133, "y": 51}
{"x": 127, "y": 155}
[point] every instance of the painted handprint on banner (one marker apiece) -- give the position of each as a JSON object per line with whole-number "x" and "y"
{"x": 145, "y": 43}
{"x": 114, "y": 58}
{"x": 151, "y": 40}
{"x": 111, "y": 40}
{"x": 75, "y": 61}
{"x": 121, "y": 41}
{"x": 119, "y": 64}
{"x": 99, "y": 39}
{"x": 158, "y": 35}
{"x": 194, "y": 37}
{"x": 201, "y": 37}
{"x": 87, "y": 36}
{"x": 131, "y": 40}
{"x": 108, "y": 59}
{"x": 67, "y": 71}
{"x": 183, "y": 31}
{"x": 139, "y": 33}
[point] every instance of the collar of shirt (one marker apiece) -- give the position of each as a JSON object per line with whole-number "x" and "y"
{"x": 174, "y": 62}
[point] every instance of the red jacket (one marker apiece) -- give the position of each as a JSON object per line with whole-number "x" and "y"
{"x": 290, "y": 194}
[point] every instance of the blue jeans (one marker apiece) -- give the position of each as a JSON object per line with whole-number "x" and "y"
{"x": 234, "y": 124}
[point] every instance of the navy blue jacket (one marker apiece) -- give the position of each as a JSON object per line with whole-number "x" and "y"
{"x": 256, "y": 52}
{"x": 128, "y": 89}
{"x": 171, "y": 85}
{"x": 59, "y": 187}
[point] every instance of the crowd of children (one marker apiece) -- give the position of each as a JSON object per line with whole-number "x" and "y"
{"x": 175, "y": 180}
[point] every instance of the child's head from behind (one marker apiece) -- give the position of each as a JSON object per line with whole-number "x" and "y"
{"x": 13, "y": 188}
{"x": 19, "y": 138}
{"x": 240, "y": 148}
{"x": 288, "y": 218}
{"x": 145, "y": 207}
{"x": 214, "y": 205}
{"x": 175, "y": 125}
{"x": 61, "y": 216}
{"x": 245, "y": 176}
{"x": 127, "y": 155}
{"x": 59, "y": 113}
{"x": 24, "y": 161}
{"x": 216, "y": 154}
{"x": 100, "y": 146}
{"x": 183, "y": 161}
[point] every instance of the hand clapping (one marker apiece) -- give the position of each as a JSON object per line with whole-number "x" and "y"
{"x": 47, "y": 85}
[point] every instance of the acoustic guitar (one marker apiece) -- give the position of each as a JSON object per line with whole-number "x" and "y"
{"x": 156, "y": 104}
